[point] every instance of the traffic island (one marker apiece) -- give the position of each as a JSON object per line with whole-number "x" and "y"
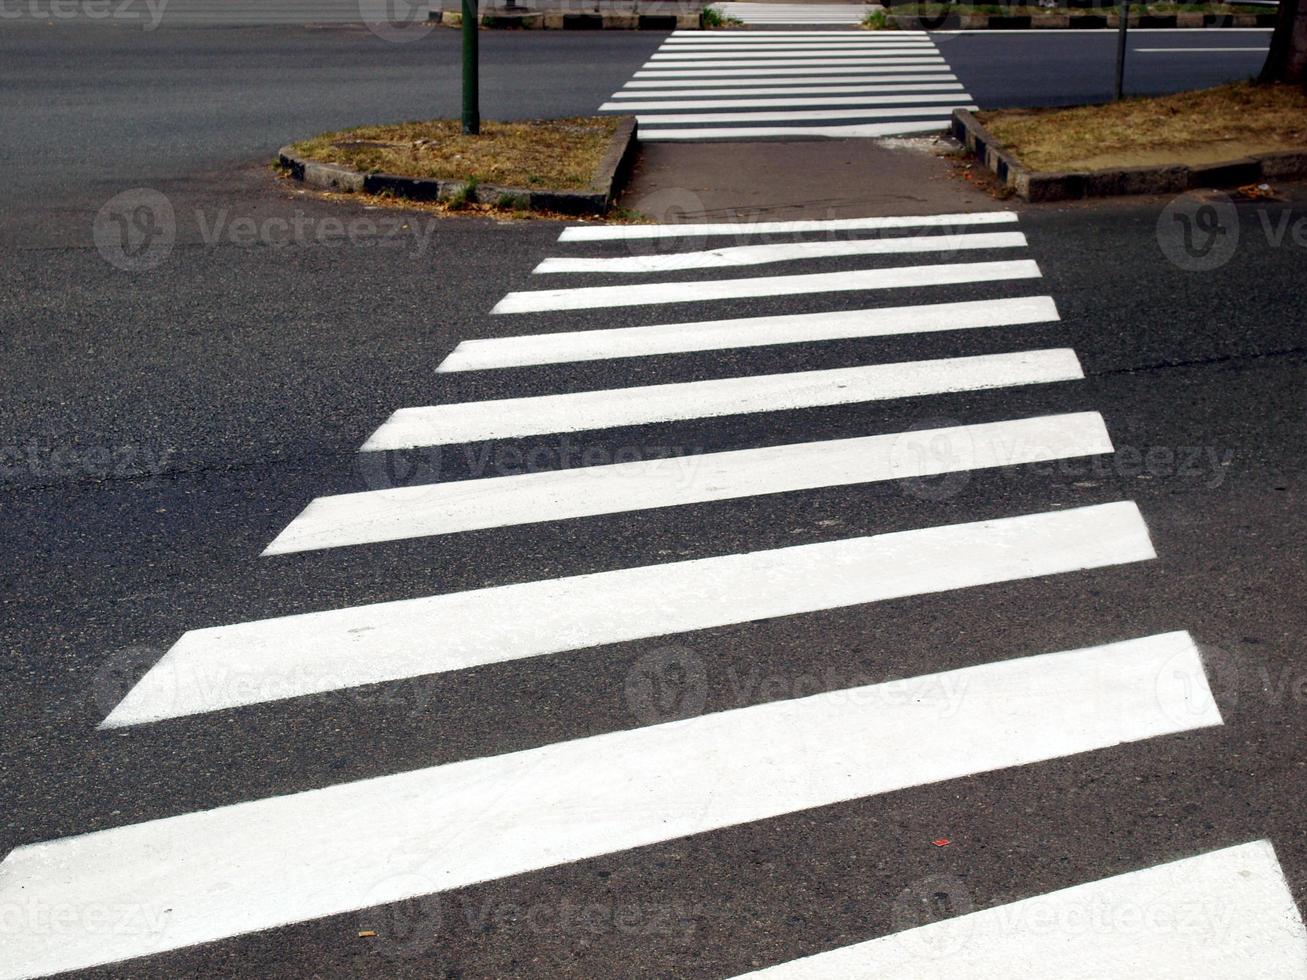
{"x": 564, "y": 166}
{"x": 1222, "y": 137}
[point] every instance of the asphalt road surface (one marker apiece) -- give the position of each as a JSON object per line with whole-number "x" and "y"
{"x": 163, "y": 427}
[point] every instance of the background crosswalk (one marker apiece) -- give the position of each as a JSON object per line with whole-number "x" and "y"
{"x": 210, "y": 875}
{"x": 798, "y": 84}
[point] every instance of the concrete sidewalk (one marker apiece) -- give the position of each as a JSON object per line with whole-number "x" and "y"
{"x": 791, "y": 179}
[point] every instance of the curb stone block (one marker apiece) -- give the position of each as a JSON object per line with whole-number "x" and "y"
{"x": 1229, "y": 173}
{"x": 614, "y": 168}
{"x": 1284, "y": 165}
{"x": 1165, "y": 179}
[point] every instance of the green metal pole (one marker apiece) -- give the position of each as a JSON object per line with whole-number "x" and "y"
{"x": 471, "y": 82}
{"x": 1124, "y": 14}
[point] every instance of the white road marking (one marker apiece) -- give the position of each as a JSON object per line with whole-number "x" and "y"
{"x": 672, "y": 338}
{"x": 658, "y": 293}
{"x": 799, "y": 44}
{"x": 1223, "y": 915}
{"x": 906, "y": 57}
{"x": 689, "y": 35}
{"x": 746, "y": 58}
{"x": 737, "y": 255}
{"x": 1261, "y": 50}
{"x": 796, "y": 50}
{"x": 892, "y": 83}
{"x": 209, "y": 875}
{"x": 272, "y": 659}
{"x": 751, "y": 38}
{"x": 745, "y": 102}
{"x": 400, "y": 513}
{"x": 910, "y": 111}
{"x": 746, "y": 228}
{"x": 890, "y": 66}
{"x": 984, "y": 32}
{"x": 507, "y": 418}
{"x": 865, "y": 131}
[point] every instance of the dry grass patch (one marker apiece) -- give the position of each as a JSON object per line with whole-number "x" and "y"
{"x": 558, "y": 154}
{"x": 1194, "y": 128}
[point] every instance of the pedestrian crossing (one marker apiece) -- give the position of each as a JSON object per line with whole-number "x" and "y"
{"x": 209, "y": 875}
{"x": 1204, "y": 895}
{"x": 253, "y": 865}
{"x": 751, "y": 84}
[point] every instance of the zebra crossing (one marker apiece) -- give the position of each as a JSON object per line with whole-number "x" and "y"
{"x": 753, "y": 84}
{"x": 205, "y": 876}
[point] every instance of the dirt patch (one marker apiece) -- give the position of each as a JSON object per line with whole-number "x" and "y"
{"x": 1194, "y": 128}
{"x": 561, "y": 154}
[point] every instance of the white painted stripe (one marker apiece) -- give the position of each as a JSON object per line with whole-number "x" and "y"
{"x": 887, "y": 67}
{"x": 204, "y": 876}
{"x": 926, "y": 73}
{"x": 400, "y": 513}
{"x": 750, "y": 35}
{"x": 786, "y": 37}
{"x": 906, "y": 58}
{"x": 728, "y": 60}
{"x": 757, "y": 42}
{"x": 744, "y": 229}
{"x": 692, "y": 50}
{"x": 926, "y": 82}
{"x": 1196, "y": 50}
{"x": 738, "y": 255}
{"x": 1223, "y": 915}
{"x": 911, "y": 111}
{"x": 274, "y": 659}
{"x": 917, "y": 98}
{"x": 434, "y": 425}
{"x": 866, "y": 131}
{"x": 983, "y": 32}
{"x": 658, "y": 293}
{"x": 672, "y": 338}
{"x": 808, "y": 39}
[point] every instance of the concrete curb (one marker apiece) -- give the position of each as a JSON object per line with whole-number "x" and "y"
{"x": 1036, "y": 186}
{"x": 614, "y": 168}
{"x": 1086, "y": 21}
{"x": 545, "y": 20}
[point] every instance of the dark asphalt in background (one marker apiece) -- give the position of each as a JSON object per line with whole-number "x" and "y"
{"x": 252, "y": 373}
{"x": 88, "y": 106}
{"x": 1043, "y": 68}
